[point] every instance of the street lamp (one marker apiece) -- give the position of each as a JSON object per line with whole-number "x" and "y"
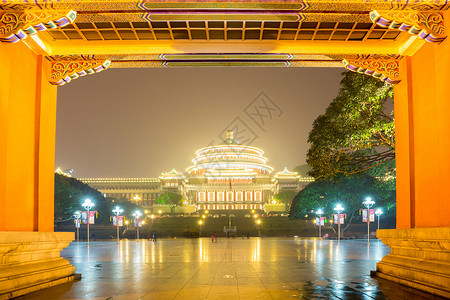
{"x": 320, "y": 213}
{"x": 153, "y": 219}
{"x": 368, "y": 203}
{"x": 137, "y": 214}
{"x": 117, "y": 211}
{"x": 339, "y": 209}
{"x": 378, "y": 212}
{"x": 88, "y": 205}
{"x": 200, "y": 223}
{"x": 258, "y": 222}
{"x": 77, "y": 216}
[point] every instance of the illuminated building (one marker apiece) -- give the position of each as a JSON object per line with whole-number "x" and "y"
{"x": 141, "y": 191}
{"x": 230, "y": 176}
{"x": 225, "y": 176}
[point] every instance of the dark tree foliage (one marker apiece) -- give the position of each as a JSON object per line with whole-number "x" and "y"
{"x": 356, "y": 133}
{"x": 67, "y": 199}
{"x": 349, "y": 191}
{"x": 128, "y": 207}
{"x": 70, "y": 194}
{"x": 303, "y": 170}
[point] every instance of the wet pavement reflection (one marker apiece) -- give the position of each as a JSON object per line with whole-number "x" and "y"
{"x": 255, "y": 268}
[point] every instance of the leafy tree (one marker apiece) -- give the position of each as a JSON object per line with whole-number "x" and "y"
{"x": 67, "y": 199}
{"x": 128, "y": 207}
{"x": 356, "y": 132}
{"x": 303, "y": 170}
{"x": 170, "y": 199}
{"x": 286, "y": 197}
{"x": 70, "y": 194}
{"x": 350, "y": 191}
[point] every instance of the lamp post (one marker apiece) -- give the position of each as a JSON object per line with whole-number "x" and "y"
{"x": 368, "y": 203}
{"x": 88, "y": 205}
{"x": 258, "y": 222}
{"x": 200, "y": 223}
{"x": 378, "y": 212}
{"x": 339, "y": 209}
{"x": 136, "y": 216}
{"x": 77, "y": 216}
{"x": 320, "y": 213}
{"x": 117, "y": 211}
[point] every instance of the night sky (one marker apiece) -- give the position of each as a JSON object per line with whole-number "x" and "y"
{"x": 142, "y": 122}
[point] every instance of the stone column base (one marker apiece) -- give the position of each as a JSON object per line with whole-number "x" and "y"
{"x": 30, "y": 261}
{"x": 420, "y": 258}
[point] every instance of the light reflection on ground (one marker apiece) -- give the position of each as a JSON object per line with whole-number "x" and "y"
{"x": 255, "y": 268}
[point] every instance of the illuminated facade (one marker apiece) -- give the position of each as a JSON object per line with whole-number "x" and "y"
{"x": 230, "y": 176}
{"x": 141, "y": 191}
{"x": 225, "y": 176}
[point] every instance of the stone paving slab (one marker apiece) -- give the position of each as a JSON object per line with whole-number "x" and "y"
{"x": 256, "y": 268}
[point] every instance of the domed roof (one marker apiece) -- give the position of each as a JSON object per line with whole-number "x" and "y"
{"x": 229, "y": 155}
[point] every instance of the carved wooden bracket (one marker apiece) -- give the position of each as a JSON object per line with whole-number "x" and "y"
{"x": 64, "y": 71}
{"x": 17, "y": 25}
{"x": 428, "y": 26}
{"x": 385, "y": 70}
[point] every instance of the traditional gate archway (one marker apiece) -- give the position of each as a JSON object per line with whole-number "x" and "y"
{"x": 49, "y": 43}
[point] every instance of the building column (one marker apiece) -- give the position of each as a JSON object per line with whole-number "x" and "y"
{"x": 420, "y": 246}
{"x": 27, "y": 153}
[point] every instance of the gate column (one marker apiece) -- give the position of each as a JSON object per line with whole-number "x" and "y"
{"x": 420, "y": 246}
{"x": 29, "y": 249}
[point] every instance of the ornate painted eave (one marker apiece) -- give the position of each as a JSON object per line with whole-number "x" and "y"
{"x": 428, "y": 26}
{"x": 385, "y": 70}
{"x": 63, "y": 72}
{"x": 18, "y": 25}
{"x": 265, "y": 33}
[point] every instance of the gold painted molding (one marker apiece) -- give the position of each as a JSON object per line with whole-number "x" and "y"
{"x": 428, "y": 26}
{"x": 385, "y": 70}
{"x": 17, "y": 25}
{"x": 63, "y": 72}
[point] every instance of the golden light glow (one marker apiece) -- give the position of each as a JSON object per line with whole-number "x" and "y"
{"x": 126, "y": 222}
{"x": 159, "y": 211}
{"x": 200, "y": 222}
{"x": 258, "y": 222}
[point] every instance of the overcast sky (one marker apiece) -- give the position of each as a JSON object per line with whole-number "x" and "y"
{"x": 142, "y": 122}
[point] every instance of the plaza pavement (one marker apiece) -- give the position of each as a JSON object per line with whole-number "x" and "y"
{"x": 255, "y": 268}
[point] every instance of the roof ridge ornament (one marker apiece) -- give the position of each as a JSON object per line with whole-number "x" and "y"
{"x": 428, "y": 26}
{"x": 18, "y": 25}
{"x": 63, "y": 72}
{"x": 385, "y": 70}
